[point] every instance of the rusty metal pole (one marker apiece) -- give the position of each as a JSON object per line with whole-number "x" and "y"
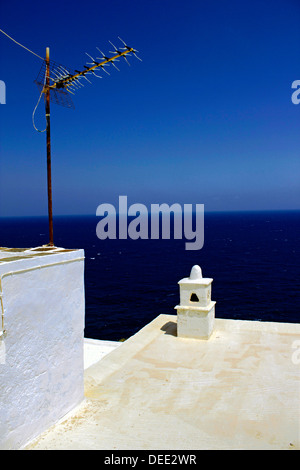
{"x": 47, "y": 94}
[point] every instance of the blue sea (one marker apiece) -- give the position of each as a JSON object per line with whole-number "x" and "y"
{"x": 252, "y": 257}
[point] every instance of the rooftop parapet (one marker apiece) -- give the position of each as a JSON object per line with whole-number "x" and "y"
{"x": 41, "y": 339}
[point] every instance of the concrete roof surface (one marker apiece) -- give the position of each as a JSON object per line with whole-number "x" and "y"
{"x": 238, "y": 390}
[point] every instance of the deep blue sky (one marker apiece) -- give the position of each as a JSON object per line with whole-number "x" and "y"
{"x": 206, "y": 117}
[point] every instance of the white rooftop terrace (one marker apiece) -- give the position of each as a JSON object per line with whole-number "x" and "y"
{"x": 239, "y": 389}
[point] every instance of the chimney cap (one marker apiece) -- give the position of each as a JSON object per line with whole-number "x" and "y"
{"x": 196, "y": 277}
{"x": 196, "y": 273}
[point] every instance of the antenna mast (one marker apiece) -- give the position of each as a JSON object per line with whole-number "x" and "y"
{"x": 49, "y": 181}
{"x": 57, "y": 83}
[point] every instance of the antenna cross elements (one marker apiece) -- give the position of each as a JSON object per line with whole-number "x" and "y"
{"x": 62, "y": 80}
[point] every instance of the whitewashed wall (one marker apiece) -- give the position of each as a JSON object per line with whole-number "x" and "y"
{"x": 41, "y": 356}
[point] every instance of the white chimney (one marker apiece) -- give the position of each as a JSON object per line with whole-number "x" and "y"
{"x": 196, "y": 311}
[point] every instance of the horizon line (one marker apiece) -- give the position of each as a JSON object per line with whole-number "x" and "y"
{"x": 117, "y": 213}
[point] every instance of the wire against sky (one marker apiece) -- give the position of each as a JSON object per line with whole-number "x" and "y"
{"x": 19, "y": 44}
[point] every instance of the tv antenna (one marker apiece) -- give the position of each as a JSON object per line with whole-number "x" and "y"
{"x": 57, "y": 83}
